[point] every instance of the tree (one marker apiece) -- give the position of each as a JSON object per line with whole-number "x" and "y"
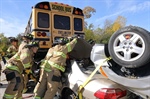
{"x": 111, "y": 27}
{"x": 108, "y": 26}
{"x": 88, "y": 11}
{"x": 89, "y": 32}
{"x": 88, "y": 29}
{"x": 119, "y": 23}
{"x": 3, "y": 42}
{"x": 19, "y": 37}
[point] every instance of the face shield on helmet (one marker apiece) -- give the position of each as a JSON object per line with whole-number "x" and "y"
{"x": 62, "y": 41}
{"x": 33, "y": 44}
{"x": 28, "y": 36}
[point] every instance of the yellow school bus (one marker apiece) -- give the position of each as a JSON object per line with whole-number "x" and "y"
{"x": 50, "y": 21}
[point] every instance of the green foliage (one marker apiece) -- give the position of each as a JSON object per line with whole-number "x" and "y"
{"x": 3, "y": 42}
{"x": 89, "y": 34}
{"x": 88, "y": 11}
{"x": 19, "y": 37}
{"x": 102, "y": 35}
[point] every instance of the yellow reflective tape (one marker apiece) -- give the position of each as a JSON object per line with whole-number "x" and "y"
{"x": 24, "y": 90}
{"x": 19, "y": 98}
{"x": 69, "y": 47}
{"x": 26, "y": 65}
{"x": 16, "y": 56}
{"x": 24, "y": 55}
{"x": 46, "y": 66}
{"x": 42, "y": 61}
{"x": 13, "y": 52}
{"x": 56, "y": 66}
{"x": 60, "y": 53}
{"x": 46, "y": 69}
{"x": 49, "y": 54}
{"x": 75, "y": 40}
{"x": 7, "y": 96}
{"x": 8, "y": 50}
{"x": 13, "y": 67}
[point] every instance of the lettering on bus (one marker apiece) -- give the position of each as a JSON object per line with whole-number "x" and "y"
{"x": 62, "y": 33}
{"x": 61, "y": 8}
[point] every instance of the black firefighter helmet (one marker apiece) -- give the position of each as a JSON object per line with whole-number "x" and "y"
{"x": 61, "y": 41}
{"x": 28, "y": 36}
{"x": 12, "y": 39}
{"x": 33, "y": 43}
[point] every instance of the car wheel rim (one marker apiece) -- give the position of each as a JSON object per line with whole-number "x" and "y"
{"x": 129, "y": 46}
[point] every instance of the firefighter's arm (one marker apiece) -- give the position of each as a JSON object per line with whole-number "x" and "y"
{"x": 25, "y": 59}
{"x": 10, "y": 52}
{"x": 69, "y": 46}
{"x": 48, "y": 56}
{"x": 49, "y": 53}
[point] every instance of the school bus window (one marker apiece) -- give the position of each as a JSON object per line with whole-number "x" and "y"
{"x": 61, "y": 22}
{"x": 43, "y": 20}
{"x": 78, "y": 24}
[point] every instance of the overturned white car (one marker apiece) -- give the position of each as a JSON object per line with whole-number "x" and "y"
{"x": 129, "y": 49}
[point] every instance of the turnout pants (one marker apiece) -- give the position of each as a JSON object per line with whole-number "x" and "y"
{"x": 15, "y": 85}
{"x": 49, "y": 83}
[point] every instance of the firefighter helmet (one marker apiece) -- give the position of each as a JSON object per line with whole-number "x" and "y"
{"x": 12, "y": 39}
{"x": 28, "y": 36}
{"x": 63, "y": 41}
{"x": 33, "y": 44}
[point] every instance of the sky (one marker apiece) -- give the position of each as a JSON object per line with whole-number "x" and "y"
{"x": 14, "y": 14}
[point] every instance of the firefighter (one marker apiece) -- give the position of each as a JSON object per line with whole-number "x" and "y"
{"x": 51, "y": 68}
{"x": 16, "y": 67}
{"x": 13, "y": 49}
{"x": 27, "y": 38}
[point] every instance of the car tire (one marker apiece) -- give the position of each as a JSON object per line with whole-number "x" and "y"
{"x": 67, "y": 93}
{"x": 130, "y": 47}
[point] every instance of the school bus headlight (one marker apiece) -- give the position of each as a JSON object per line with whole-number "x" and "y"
{"x": 45, "y": 6}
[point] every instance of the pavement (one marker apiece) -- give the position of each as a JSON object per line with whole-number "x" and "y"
{"x": 5, "y": 83}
